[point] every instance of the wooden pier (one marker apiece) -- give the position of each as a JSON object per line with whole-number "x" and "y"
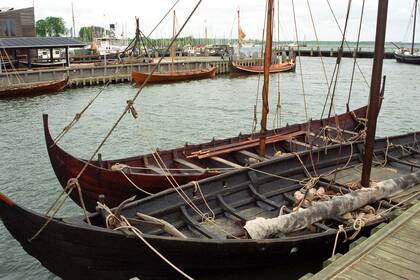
{"x": 392, "y": 252}
{"x": 333, "y": 52}
{"x": 88, "y": 75}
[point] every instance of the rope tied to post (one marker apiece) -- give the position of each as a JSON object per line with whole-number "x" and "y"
{"x": 340, "y": 230}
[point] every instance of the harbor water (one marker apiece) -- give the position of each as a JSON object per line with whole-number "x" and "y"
{"x": 171, "y": 115}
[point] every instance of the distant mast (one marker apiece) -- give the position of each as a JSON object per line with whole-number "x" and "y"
{"x": 239, "y": 35}
{"x": 205, "y": 32}
{"x": 267, "y": 62}
{"x": 72, "y": 15}
{"x": 173, "y": 44}
{"x": 414, "y": 27}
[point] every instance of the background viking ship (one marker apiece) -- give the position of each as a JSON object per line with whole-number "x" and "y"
{"x": 141, "y": 175}
{"x": 31, "y": 89}
{"x": 174, "y": 75}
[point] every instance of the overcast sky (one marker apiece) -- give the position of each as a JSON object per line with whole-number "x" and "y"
{"x": 219, "y": 16}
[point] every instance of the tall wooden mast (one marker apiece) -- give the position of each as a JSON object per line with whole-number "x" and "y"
{"x": 414, "y": 27}
{"x": 267, "y": 62}
{"x": 239, "y": 35}
{"x": 74, "y": 26}
{"x": 173, "y": 45}
{"x": 375, "y": 90}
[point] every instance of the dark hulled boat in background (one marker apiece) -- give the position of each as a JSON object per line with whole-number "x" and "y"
{"x": 191, "y": 162}
{"x": 31, "y": 89}
{"x": 409, "y": 56}
{"x": 73, "y": 249}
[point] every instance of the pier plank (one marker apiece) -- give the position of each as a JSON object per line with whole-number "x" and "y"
{"x": 353, "y": 274}
{"x": 403, "y": 253}
{"x": 391, "y": 268}
{"x": 406, "y": 239}
{"x": 374, "y": 272}
{"x": 390, "y": 253}
{"x": 403, "y": 245}
{"x": 397, "y": 260}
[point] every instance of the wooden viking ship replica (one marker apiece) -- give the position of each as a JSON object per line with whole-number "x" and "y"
{"x": 174, "y": 75}
{"x": 409, "y": 56}
{"x": 234, "y": 68}
{"x": 73, "y": 249}
{"x": 117, "y": 179}
{"x": 31, "y": 89}
{"x": 143, "y": 175}
{"x": 258, "y": 69}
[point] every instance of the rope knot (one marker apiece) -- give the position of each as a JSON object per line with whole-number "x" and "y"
{"x": 72, "y": 183}
{"x": 130, "y": 106}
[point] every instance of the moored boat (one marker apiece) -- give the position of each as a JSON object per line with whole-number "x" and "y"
{"x": 117, "y": 179}
{"x": 409, "y": 56}
{"x": 31, "y": 89}
{"x": 73, "y": 249}
{"x": 288, "y": 66}
{"x": 175, "y": 76}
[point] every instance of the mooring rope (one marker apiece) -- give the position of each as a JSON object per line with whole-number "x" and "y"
{"x": 125, "y": 224}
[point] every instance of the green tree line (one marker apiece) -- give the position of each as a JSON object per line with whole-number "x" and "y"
{"x": 50, "y": 26}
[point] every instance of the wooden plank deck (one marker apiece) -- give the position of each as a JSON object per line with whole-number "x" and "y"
{"x": 393, "y": 252}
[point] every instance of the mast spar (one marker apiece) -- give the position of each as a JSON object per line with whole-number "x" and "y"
{"x": 239, "y": 36}
{"x": 74, "y": 26}
{"x": 173, "y": 44}
{"x": 267, "y": 62}
{"x": 375, "y": 90}
{"x": 414, "y": 26}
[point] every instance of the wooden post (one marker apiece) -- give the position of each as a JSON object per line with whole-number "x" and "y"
{"x": 29, "y": 58}
{"x": 375, "y": 90}
{"x": 51, "y": 55}
{"x": 267, "y": 62}
{"x": 67, "y": 57}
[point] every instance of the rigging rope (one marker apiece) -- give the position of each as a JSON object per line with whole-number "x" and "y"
{"x": 255, "y": 120}
{"x": 125, "y": 224}
{"x": 347, "y": 44}
{"x": 277, "y": 115}
{"x": 127, "y": 108}
{"x": 355, "y": 56}
{"x": 174, "y": 184}
{"x": 14, "y": 71}
{"x": 79, "y": 115}
{"x": 300, "y": 63}
{"x": 160, "y": 21}
{"x": 339, "y": 56}
{"x": 318, "y": 45}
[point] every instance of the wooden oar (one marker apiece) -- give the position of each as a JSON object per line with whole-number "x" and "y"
{"x": 242, "y": 145}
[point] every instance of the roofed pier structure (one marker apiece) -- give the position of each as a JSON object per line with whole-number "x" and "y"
{"x": 13, "y": 48}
